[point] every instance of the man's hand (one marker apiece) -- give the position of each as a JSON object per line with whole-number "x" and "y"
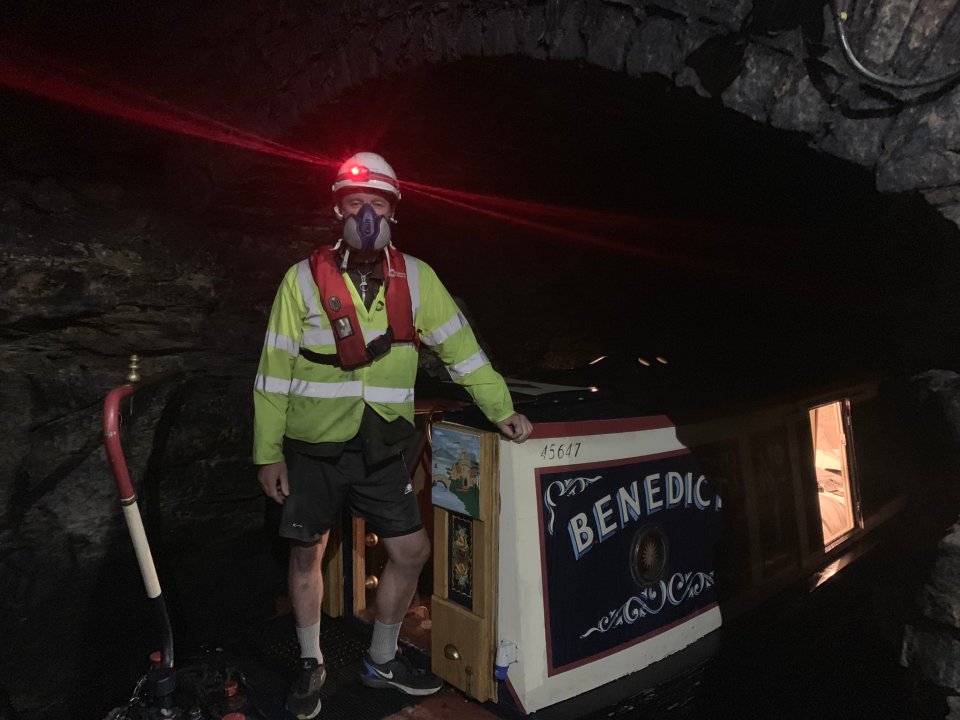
{"x": 273, "y": 480}
{"x": 516, "y": 427}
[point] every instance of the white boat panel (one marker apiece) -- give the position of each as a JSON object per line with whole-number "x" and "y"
{"x": 521, "y": 603}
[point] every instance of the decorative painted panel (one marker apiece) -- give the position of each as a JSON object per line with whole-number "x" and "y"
{"x": 627, "y": 550}
{"x": 460, "y": 557}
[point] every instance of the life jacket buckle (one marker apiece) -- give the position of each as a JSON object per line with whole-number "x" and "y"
{"x": 380, "y": 346}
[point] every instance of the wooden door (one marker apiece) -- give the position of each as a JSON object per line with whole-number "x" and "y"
{"x": 465, "y": 476}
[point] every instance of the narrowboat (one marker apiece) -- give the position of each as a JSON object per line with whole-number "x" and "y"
{"x": 604, "y": 554}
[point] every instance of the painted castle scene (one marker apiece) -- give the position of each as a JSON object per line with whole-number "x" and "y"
{"x": 456, "y": 471}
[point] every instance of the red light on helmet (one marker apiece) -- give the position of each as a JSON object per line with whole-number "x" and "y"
{"x": 359, "y": 172}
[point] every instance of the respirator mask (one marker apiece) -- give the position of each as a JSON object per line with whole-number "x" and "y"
{"x": 365, "y": 230}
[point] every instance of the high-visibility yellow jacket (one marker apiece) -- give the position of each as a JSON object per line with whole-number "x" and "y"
{"x": 322, "y": 403}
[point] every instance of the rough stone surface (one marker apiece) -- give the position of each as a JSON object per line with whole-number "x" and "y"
{"x": 935, "y": 654}
{"x": 929, "y": 47}
{"x": 564, "y": 39}
{"x": 953, "y": 707}
{"x": 655, "y": 49}
{"x": 919, "y": 147}
{"x": 932, "y": 643}
{"x": 923, "y": 170}
{"x": 754, "y": 91}
{"x": 533, "y": 33}
{"x": 695, "y": 38}
{"x": 470, "y": 33}
{"x": 889, "y": 25}
{"x": 940, "y": 597}
{"x": 500, "y": 36}
{"x": 798, "y": 105}
{"x": 859, "y": 141}
{"x": 921, "y": 36}
{"x": 937, "y": 394}
{"x": 608, "y": 36}
{"x": 951, "y": 211}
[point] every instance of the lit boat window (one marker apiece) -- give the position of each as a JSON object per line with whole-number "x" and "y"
{"x": 834, "y": 478}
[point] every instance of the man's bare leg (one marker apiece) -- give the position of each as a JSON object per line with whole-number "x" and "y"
{"x": 406, "y": 556}
{"x": 383, "y": 667}
{"x": 305, "y": 581}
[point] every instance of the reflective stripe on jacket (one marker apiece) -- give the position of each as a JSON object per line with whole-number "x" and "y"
{"x": 323, "y": 403}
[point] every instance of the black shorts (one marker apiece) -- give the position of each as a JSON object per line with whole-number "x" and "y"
{"x": 383, "y": 495}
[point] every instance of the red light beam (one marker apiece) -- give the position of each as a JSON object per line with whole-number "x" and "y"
{"x": 68, "y": 91}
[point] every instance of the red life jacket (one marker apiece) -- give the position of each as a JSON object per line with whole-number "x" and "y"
{"x": 352, "y": 350}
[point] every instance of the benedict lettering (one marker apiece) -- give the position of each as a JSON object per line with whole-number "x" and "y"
{"x": 654, "y": 493}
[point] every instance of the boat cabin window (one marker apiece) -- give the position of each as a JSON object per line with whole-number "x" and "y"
{"x": 834, "y": 481}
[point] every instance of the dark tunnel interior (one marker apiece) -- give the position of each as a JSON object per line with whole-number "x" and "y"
{"x": 737, "y": 251}
{"x": 743, "y": 259}
{"x": 754, "y": 254}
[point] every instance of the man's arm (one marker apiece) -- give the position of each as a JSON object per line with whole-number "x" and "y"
{"x": 444, "y": 328}
{"x": 281, "y": 347}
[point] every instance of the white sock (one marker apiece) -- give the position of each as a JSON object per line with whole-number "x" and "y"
{"x": 309, "y": 639}
{"x": 383, "y": 645}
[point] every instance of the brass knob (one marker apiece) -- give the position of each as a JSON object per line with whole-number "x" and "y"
{"x": 371, "y": 582}
{"x": 451, "y": 652}
{"x": 371, "y": 539}
{"x": 134, "y": 374}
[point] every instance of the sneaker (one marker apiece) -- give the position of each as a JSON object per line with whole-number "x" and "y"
{"x": 400, "y": 674}
{"x": 304, "y": 698}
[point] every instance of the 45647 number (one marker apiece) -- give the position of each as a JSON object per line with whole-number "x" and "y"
{"x": 559, "y": 451}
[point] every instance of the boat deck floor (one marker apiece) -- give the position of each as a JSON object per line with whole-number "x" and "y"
{"x": 267, "y": 656}
{"x": 448, "y": 704}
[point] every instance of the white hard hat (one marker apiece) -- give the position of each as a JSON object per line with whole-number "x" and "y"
{"x": 367, "y": 170}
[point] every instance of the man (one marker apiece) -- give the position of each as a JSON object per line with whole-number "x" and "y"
{"x": 333, "y": 405}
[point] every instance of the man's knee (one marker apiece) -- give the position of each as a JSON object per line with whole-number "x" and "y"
{"x": 422, "y": 552}
{"x": 410, "y": 550}
{"x": 305, "y": 557}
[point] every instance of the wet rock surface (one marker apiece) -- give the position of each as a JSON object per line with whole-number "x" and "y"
{"x": 940, "y": 599}
{"x": 90, "y": 273}
{"x": 930, "y": 635}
